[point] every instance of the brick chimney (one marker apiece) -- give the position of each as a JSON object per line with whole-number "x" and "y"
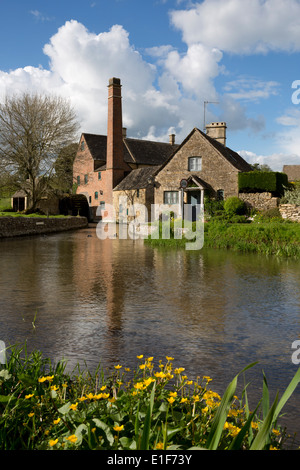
{"x": 217, "y": 131}
{"x": 115, "y": 165}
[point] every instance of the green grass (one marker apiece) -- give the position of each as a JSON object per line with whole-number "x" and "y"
{"x": 154, "y": 406}
{"x": 5, "y": 203}
{"x": 268, "y": 238}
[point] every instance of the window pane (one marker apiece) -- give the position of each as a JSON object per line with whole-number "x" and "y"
{"x": 171, "y": 197}
{"x": 195, "y": 164}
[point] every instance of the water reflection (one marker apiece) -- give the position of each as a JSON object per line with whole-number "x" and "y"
{"x": 108, "y": 301}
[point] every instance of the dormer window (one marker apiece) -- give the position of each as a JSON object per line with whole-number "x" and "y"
{"x": 195, "y": 164}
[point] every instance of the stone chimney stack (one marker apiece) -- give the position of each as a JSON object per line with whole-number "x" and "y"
{"x": 115, "y": 165}
{"x": 217, "y": 131}
{"x": 172, "y": 139}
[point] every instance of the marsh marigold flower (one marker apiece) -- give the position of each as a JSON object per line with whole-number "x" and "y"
{"x": 118, "y": 367}
{"x": 29, "y": 396}
{"x": 74, "y": 406}
{"x": 119, "y": 428}
{"x": 52, "y": 442}
{"x": 72, "y": 438}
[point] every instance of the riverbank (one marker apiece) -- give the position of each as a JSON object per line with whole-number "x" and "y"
{"x": 155, "y": 406}
{"x": 268, "y": 238}
{"x": 38, "y": 225}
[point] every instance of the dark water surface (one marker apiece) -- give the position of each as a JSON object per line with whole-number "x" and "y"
{"x": 110, "y": 300}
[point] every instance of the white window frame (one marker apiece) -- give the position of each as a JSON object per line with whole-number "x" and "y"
{"x": 171, "y": 197}
{"x": 195, "y": 164}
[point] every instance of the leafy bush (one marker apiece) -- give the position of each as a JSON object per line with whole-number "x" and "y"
{"x": 234, "y": 206}
{"x": 291, "y": 196}
{"x": 263, "y": 181}
{"x": 154, "y": 407}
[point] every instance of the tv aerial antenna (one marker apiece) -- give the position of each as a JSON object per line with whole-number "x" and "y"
{"x": 205, "y": 103}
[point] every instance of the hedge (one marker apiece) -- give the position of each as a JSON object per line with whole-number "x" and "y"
{"x": 263, "y": 181}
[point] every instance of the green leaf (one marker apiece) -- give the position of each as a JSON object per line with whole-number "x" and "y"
{"x": 106, "y": 429}
{"x": 263, "y": 434}
{"x": 65, "y": 408}
{"x": 80, "y": 431}
{"x": 222, "y": 412}
{"x": 147, "y": 423}
{"x": 265, "y": 400}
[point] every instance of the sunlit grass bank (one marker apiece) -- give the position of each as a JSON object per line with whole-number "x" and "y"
{"x": 269, "y": 238}
{"x": 155, "y": 406}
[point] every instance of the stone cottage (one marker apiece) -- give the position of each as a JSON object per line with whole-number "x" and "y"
{"x": 118, "y": 171}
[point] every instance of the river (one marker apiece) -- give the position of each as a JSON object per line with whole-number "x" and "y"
{"x": 92, "y": 301}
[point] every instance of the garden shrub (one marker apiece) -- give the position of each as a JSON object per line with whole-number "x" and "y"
{"x": 234, "y": 206}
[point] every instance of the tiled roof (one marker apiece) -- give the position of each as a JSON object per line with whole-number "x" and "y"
{"x": 135, "y": 150}
{"x": 292, "y": 171}
{"x": 138, "y": 179}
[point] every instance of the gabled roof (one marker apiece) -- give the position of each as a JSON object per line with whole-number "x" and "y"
{"x": 138, "y": 179}
{"x": 135, "y": 150}
{"x": 230, "y": 155}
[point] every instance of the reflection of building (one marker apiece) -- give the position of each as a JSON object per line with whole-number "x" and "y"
{"x": 107, "y": 167}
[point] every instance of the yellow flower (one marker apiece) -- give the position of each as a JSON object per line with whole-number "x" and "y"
{"x": 31, "y": 414}
{"x": 196, "y": 398}
{"x": 208, "y": 379}
{"x": 142, "y": 366}
{"x": 106, "y": 395}
{"x": 119, "y": 428}
{"x": 159, "y": 445}
{"x": 52, "y": 442}
{"x": 148, "y": 381}
{"x": 179, "y": 370}
{"x": 29, "y": 396}
{"x": 160, "y": 375}
{"x": 183, "y": 400}
{"x": 54, "y": 388}
{"x": 173, "y": 394}
{"x": 139, "y": 385}
{"x": 171, "y": 400}
{"x": 127, "y": 369}
{"x": 42, "y": 379}
{"x": 72, "y": 438}
{"x": 169, "y": 358}
{"x": 90, "y": 396}
{"x": 140, "y": 357}
{"x": 150, "y": 359}
{"x": 74, "y": 406}
{"x": 103, "y": 388}
{"x": 118, "y": 367}
{"x": 82, "y": 398}
{"x": 56, "y": 421}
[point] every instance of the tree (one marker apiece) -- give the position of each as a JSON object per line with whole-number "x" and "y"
{"x": 33, "y": 131}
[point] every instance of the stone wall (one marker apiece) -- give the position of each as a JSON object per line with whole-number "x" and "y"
{"x": 24, "y": 226}
{"x": 290, "y": 211}
{"x": 259, "y": 201}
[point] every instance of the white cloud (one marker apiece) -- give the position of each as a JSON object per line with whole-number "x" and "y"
{"x": 251, "y": 89}
{"x": 242, "y": 27}
{"x": 275, "y": 161}
{"x": 81, "y": 63}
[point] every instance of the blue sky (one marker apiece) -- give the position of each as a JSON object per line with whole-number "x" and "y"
{"x": 171, "y": 56}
